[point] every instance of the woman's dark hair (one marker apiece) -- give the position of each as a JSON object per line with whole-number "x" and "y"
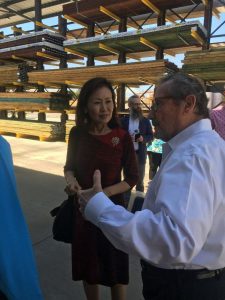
{"x": 92, "y": 85}
{"x": 183, "y": 85}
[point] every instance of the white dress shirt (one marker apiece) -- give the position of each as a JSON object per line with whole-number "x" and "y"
{"x": 182, "y": 223}
{"x": 133, "y": 129}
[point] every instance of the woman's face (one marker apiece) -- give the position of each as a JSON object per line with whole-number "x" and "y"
{"x": 100, "y": 106}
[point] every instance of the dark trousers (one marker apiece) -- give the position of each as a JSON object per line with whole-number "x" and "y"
{"x": 141, "y": 174}
{"x": 154, "y": 163}
{"x": 161, "y": 284}
{"x": 2, "y": 296}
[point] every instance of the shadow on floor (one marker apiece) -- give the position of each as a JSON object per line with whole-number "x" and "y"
{"x": 39, "y": 193}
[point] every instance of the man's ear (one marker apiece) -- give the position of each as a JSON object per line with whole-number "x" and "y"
{"x": 190, "y": 103}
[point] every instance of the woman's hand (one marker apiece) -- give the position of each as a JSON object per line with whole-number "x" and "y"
{"x": 72, "y": 186}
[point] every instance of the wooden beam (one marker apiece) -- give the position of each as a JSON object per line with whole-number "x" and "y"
{"x": 69, "y": 82}
{"x": 51, "y": 63}
{"x": 80, "y": 23}
{"x": 41, "y": 54}
{"x": 75, "y": 20}
{"x": 40, "y": 24}
{"x": 154, "y": 46}
{"x": 205, "y": 2}
{"x": 2, "y": 36}
{"x": 148, "y": 43}
{"x": 75, "y": 52}
{"x": 132, "y": 56}
{"x": 114, "y": 51}
{"x": 150, "y": 5}
{"x": 69, "y": 35}
{"x": 144, "y": 80}
{"x": 196, "y": 36}
{"x": 170, "y": 20}
{"x": 18, "y": 83}
{"x": 15, "y": 29}
{"x": 107, "y": 60}
{"x": 108, "y": 49}
{"x": 75, "y": 61}
{"x": 22, "y": 58}
{"x": 50, "y": 84}
{"x": 109, "y": 13}
{"x": 215, "y": 11}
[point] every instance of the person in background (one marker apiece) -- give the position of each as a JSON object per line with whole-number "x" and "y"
{"x": 97, "y": 141}
{"x": 154, "y": 150}
{"x": 179, "y": 234}
{"x": 217, "y": 116}
{"x": 18, "y": 275}
{"x": 141, "y": 133}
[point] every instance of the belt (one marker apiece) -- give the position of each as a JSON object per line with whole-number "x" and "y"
{"x": 185, "y": 273}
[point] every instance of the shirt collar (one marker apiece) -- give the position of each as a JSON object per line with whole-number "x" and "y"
{"x": 182, "y": 136}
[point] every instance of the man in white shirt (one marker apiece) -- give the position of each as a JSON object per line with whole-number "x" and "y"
{"x": 179, "y": 234}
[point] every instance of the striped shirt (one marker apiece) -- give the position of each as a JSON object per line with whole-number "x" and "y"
{"x": 217, "y": 117}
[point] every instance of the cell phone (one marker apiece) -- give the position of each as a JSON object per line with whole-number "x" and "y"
{"x": 136, "y": 136}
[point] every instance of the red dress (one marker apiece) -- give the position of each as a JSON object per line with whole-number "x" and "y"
{"x": 94, "y": 259}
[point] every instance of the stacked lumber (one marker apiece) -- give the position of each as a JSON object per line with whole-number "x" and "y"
{"x": 89, "y": 11}
{"x": 206, "y": 64}
{"x": 12, "y": 74}
{"x": 132, "y": 73}
{"x": 8, "y": 75}
{"x": 48, "y": 131}
{"x": 33, "y": 101}
{"x": 34, "y": 37}
{"x": 28, "y": 45}
{"x": 166, "y": 37}
{"x": 69, "y": 125}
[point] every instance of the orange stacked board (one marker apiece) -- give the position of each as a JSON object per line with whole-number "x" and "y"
{"x": 47, "y": 131}
{"x": 33, "y": 101}
{"x": 209, "y": 64}
{"x": 131, "y": 73}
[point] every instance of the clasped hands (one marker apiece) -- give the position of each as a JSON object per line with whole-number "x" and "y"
{"x": 85, "y": 195}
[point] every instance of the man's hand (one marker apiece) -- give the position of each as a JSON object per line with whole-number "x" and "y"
{"x": 140, "y": 139}
{"x": 86, "y": 195}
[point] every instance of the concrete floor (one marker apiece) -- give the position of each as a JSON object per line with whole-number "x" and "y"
{"x": 38, "y": 168}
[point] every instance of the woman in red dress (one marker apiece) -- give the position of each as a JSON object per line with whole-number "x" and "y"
{"x": 97, "y": 142}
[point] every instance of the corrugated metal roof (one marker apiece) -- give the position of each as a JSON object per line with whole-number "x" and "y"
{"x": 14, "y": 12}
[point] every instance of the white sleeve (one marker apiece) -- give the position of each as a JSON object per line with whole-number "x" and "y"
{"x": 178, "y": 228}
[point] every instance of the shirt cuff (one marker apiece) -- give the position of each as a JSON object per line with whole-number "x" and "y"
{"x": 95, "y": 206}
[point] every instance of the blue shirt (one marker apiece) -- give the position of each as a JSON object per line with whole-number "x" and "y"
{"x": 18, "y": 275}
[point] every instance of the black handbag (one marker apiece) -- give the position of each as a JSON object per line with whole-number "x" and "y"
{"x": 62, "y": 227}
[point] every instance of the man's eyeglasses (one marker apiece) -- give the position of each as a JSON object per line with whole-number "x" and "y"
{"x": 159, "y": 101}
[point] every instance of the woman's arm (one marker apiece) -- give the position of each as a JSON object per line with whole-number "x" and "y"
{"x": 69, "y": 168}
{"x": 72, "y": 184}
{"x": 117, "y": 188}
